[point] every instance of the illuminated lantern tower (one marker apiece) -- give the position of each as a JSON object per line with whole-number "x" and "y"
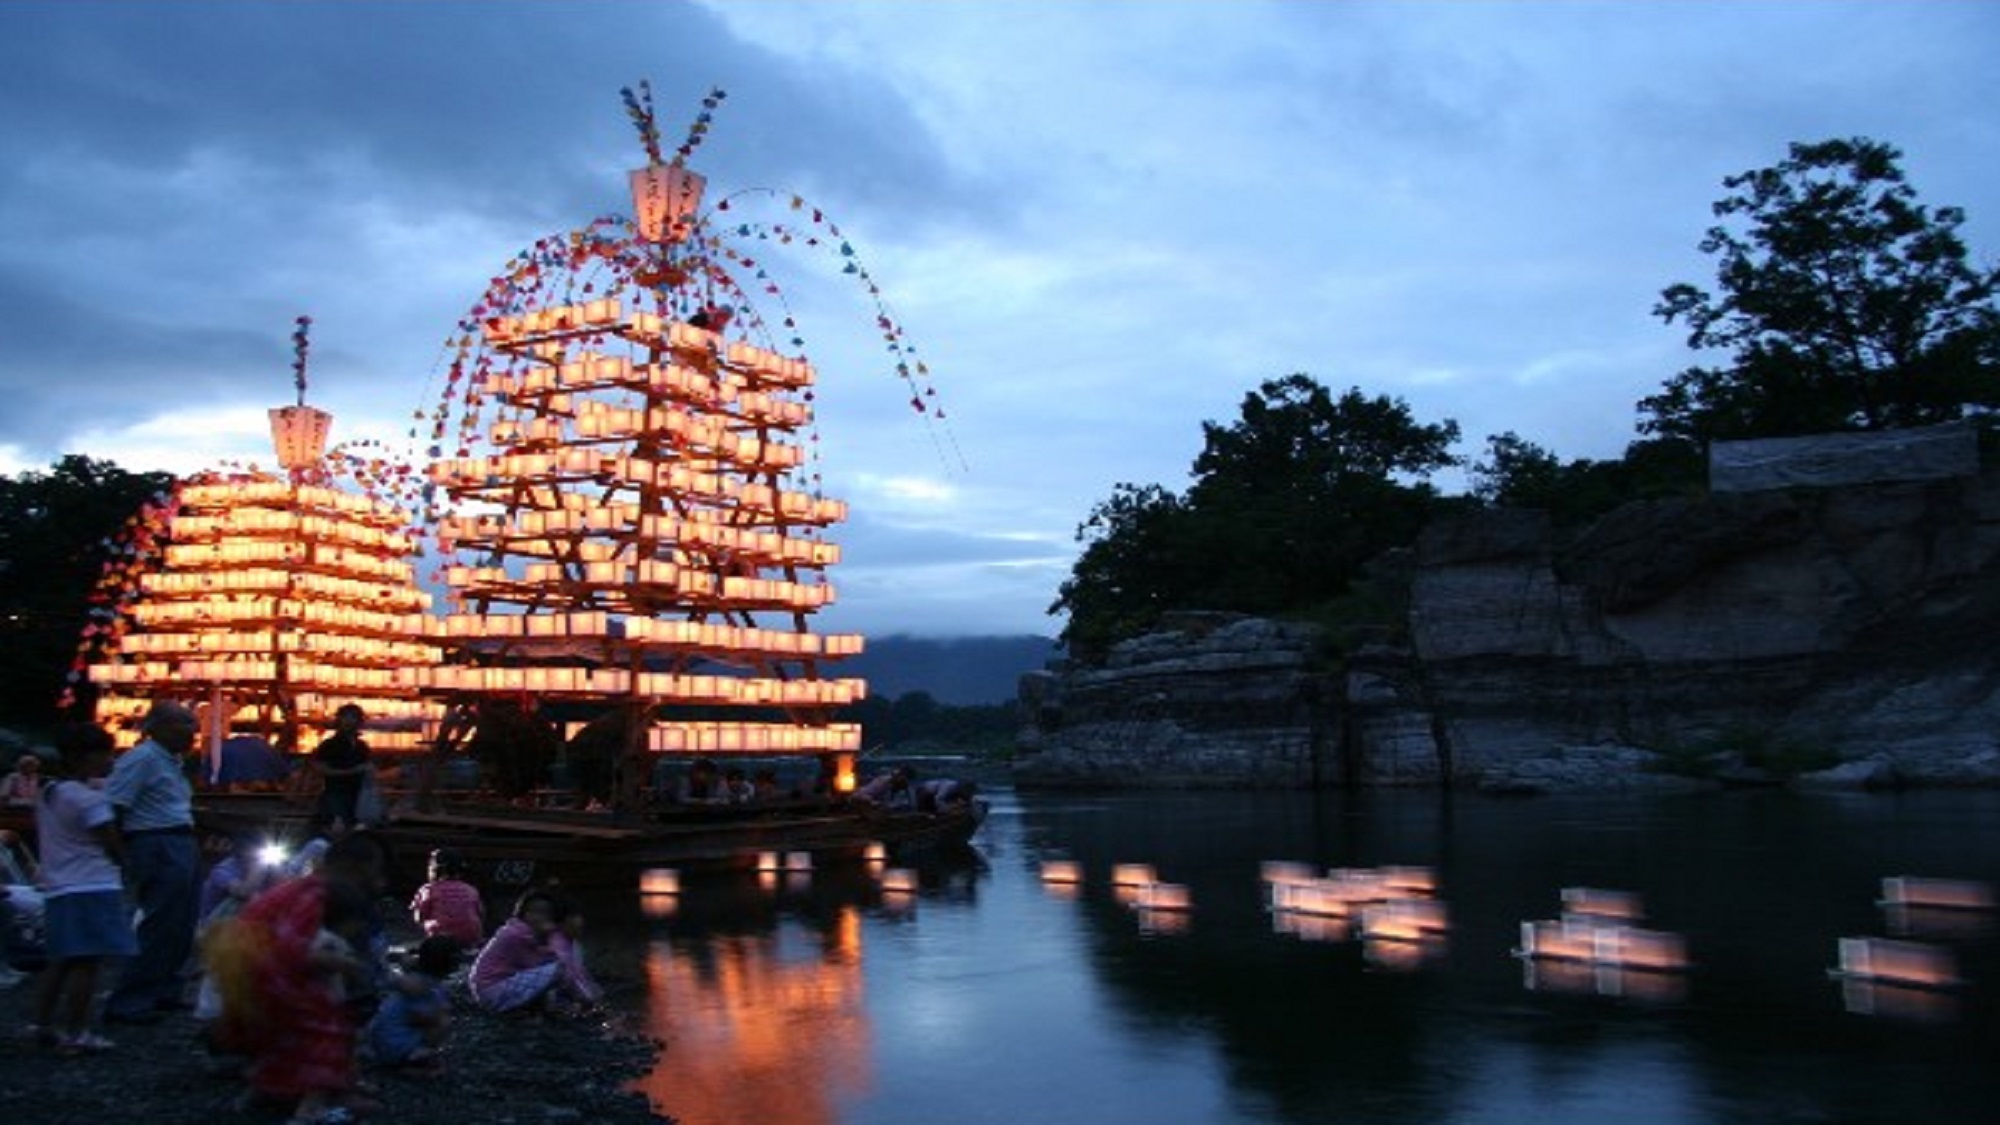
{"x": 282, "y": 596}
{"x": 634, "y": 537}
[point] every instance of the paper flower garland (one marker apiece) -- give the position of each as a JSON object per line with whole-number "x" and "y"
{"x": 713, "y": 269}
{"x": 639, "y": 107}
{"x": 136, "y": 550}
{"x": 299, "y": 345}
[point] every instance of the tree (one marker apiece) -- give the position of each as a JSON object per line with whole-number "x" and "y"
{"x": 56, "y": 532}
{"x": 1131, "y": 568}
{"x": 1843, "y": 303}
{"x": 1517, "y": 473}
{"x": 1288, "y": 503}
{"x": 1304, "y": 488}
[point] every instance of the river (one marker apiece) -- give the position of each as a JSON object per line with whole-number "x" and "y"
{"x": 987, "y": 994}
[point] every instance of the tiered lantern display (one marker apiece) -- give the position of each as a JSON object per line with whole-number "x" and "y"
{"x": 638, "y": 521}
{"x": 281, "y": 597}
{"x": 630, "y": 521}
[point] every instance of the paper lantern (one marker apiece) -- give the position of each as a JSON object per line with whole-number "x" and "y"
{"x": 299, "y": 435}
{"x": 665, "y": 198}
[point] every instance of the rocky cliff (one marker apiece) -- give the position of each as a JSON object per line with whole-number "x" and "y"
{"x": 1831, "y": 636}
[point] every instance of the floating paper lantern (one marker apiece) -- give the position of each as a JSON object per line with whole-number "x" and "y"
{"x": 1062, "y": 871}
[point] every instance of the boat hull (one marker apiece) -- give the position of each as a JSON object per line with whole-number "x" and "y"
{"x": 507, "y": 846}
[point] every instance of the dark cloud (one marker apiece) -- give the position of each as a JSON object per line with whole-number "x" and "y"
{"x": 194, "y": 174}
{"x": 70, "y": 366}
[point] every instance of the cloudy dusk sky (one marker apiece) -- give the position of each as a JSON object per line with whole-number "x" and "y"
{"x": 1101, "y": 224}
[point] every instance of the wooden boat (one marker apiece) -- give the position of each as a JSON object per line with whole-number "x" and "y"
{"x": 508, "y": 845}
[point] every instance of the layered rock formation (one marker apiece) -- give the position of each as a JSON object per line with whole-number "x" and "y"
{"x": 1848, "y": 626}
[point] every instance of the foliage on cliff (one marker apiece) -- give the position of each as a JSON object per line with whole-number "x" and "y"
{"x": 1841, "y": 303}
{"x": 1288, "y": 504}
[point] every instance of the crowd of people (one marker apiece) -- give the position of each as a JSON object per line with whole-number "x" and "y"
{"x": 704, "y": 782}
{"x": 284, "y": 963}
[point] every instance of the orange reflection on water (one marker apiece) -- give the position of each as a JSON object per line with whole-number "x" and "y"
{"x": 1898, "y": 1002}
{"x": 757, "y": 1029}
{"x": 1583, "y": 978}
{"x": 1403, "y": 955}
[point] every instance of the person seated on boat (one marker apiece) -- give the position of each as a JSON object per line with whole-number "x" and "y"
{"x": 888, "y": 790}
{"x": 520, "y": 969}
{"x": 448, "y": 905}
{"x": 764, "y": 786}
{"x": 342, "y": 761}
{"x": 826, "y": 782}
{"x": 736, "y": 786}
{"x": 702, "y": 784}
{"x": 943, "y": 794}
{"x": 22, "y": 787}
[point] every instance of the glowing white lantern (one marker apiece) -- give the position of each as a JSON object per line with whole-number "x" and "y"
{"x": 665, "y": 198}
{"x": 1133, "y": 875}
{"x": 299, "y": 435}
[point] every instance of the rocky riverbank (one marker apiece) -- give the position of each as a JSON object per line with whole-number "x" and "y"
{"x": 498, "y": 1071}
{"x": 1832, "y": 638}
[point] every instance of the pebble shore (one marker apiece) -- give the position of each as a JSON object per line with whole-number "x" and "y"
{"x": 498, "y": 1071}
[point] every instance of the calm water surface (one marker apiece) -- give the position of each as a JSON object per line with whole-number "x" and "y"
{"x": 988, "y": 996}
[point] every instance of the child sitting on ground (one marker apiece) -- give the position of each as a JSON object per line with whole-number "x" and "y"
{"x": 448, "y": 906}
{"x": 409, "y": 1028}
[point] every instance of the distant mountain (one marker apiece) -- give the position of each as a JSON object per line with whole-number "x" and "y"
{"x": 957, "y": 670}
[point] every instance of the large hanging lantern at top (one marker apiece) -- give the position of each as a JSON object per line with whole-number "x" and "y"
{"x": 665, "y": 200}
{"x": 299, "y": 433}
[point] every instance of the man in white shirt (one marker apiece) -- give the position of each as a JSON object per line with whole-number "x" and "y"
{"x": 149, "y": 789}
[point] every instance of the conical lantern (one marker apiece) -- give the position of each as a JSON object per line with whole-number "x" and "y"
{"x": 664, "y": 199}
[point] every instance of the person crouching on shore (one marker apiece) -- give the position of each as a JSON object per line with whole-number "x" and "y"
{"x": 409, "y": 1029}
{"x": 520, "y": 968}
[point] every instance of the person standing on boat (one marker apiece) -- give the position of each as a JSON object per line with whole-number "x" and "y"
{"x": 155, "y": 804}
{"x": 342, "y": 760}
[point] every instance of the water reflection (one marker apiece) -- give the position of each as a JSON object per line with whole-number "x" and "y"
{"x": 1026, "y": 985}
{"x": 768, "y": 1027}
